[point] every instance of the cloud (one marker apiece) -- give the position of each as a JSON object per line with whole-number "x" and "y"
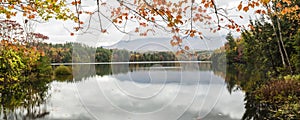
{"x": 59, "y": 31}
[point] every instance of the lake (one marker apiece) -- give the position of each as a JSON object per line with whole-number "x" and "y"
{"x": 160, "y": 91}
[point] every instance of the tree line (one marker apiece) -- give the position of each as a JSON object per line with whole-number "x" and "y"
{"x": 68, "y": 52}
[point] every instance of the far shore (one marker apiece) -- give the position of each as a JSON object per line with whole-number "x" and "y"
{"x": 141, "y": 62}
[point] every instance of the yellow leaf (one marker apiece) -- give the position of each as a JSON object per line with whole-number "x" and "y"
{"x": 265, "y": 1}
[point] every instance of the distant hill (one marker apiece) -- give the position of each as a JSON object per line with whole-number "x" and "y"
{"x": 163, "y": 44}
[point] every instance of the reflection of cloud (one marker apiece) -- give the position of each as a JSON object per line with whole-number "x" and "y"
{"x": 64, "y": 104}
{"x": 231, "y": 104}
{"x": 105, "y": 102}
{"x": 94, "y": 99}
{"x": 144, "y": 77}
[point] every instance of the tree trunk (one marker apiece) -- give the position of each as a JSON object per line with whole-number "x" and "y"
{"x": 278, "y": 43}
{"x": 282, "y": 44}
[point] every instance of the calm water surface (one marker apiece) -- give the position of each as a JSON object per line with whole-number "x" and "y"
{"x": 141, "y": 92}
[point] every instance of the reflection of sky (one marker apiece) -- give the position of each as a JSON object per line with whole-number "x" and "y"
{"x": 171, "y": 76}
{"x": 117, "y": 97}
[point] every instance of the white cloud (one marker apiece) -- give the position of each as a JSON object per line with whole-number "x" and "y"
{"x": 59, "y": 31}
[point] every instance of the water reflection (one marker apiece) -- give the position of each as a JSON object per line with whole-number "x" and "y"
{"x": 135, "y": 91}
{"x": 24, "y": 100}
{"x": 184, "y": 91}
{"x": 264, "y": 98}
{"x": 87, "y": 70}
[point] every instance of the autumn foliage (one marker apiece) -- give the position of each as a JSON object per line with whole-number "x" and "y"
{"x": 19, "y": 53}
{"x": 184, "y": 18}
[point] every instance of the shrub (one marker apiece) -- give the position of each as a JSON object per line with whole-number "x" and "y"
{"x": 62, "y": 70}
{"x": 280, "y": 98}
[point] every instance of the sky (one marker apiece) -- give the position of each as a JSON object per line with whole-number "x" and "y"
{"x": 59, "y": 31}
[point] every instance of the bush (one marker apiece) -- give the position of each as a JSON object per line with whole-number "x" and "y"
{"x": 280, "y": 98}
{"x": 62, "y": 70}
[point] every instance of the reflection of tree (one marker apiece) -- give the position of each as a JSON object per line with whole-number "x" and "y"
{"x": 81, "y": 72}
{"x": 104, "y": 69}
{"x": 83, "y": 54}
{"x": 219, "y": 64}
{"x": 24, "y": 100}
{"x": 265, "y": 98}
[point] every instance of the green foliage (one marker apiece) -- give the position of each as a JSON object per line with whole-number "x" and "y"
{"x": 295, "y": 56}
{"x": 231, "y": 49}
{"x": 11, "y": 66}
{"x": 231, "y": 42}
{"x": 43, "y": 67}
{"x": 103, "y": 55}
{"x": 258, "y": 48}
{"x": 74, "y": 52}
{"x": 153, "y": 56}
{"x": 292, "y": 77}
{"x": 62, "y": 70}
{"x": 18, "y": 62}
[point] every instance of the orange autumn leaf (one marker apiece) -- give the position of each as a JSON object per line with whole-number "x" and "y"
{"x": 42, "y": 53}
{"x": 278, "y": 5}
{"x": 115, "y": 20}
{"x": 192, "y": 34}
{"x": 265, "y": 1}
{"x": 171, "y": 24}
{"x": 246, "y": 8}
{"x": 103, "y": 30}
{"x": 256, "y": 4}
{"x": 258, "y": 11}
{"x": 152, "y": 19}
{"x": 136, "y": 30}
{"x": 143, "y": 24}
{"x": 206, "y": 5}
{"x": 287, "y": 1}
{"x": 187, "y": 48}
{"x": 240, "y": 6}
{"x": 73, "y": 3}
{"x": 178, "y": 17}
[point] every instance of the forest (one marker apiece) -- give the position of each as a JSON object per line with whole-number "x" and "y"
{"x": 62, "y": 53}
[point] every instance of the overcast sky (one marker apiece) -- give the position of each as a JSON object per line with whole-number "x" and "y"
{"x": 59, "y": 31}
